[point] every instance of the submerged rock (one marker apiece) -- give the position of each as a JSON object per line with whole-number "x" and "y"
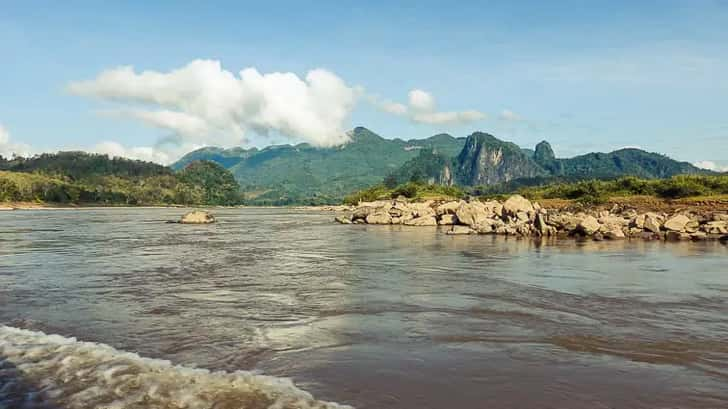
{"x": 197, "y": 217}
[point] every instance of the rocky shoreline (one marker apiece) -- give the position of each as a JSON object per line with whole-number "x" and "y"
{"x": 517, "y": 216}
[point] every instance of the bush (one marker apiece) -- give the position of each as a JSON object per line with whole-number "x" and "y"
{"x": 408, "y": 190}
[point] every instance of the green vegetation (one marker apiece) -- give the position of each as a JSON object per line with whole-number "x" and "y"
{"x": 587, "y": 192}
{"x": 82, "y": 178}
{"x": 304, "y": 174}
{"x": 410, "y": 190}
{"x": 599, "y": 191}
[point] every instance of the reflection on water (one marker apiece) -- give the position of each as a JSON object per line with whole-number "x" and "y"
{"x": 380, "y": 316}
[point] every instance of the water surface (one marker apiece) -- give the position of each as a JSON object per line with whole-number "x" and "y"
{"x": 368, "y": 316}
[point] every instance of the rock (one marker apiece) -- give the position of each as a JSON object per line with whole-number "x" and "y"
{"x": 638, "y": 221}
{"x": 653, "y": 222}
{"x": 362, "y": 212}
{"x": 197, "y": 217}
{"x": 494, "y": 207}
{"x": 471, "y": 214}
{"x": 698, "y": 236}
{"x": 457, "y": 230}
{"x": 692, "y": 226}
{"x": 522, "y": 216}
{"x": 715, "y": 227}
{"x": 613, "y": 232}
{"x": 589, "y": 225}
{"x": 379, "y": 217}
{"x": 448, "y": 219}
{"x": 447, "y": 208}
{"x": 677, "y": 223}
{"x": 598, "y": 236}
{"x": 343, "y": 219}
{"x": 720, "y": 217}
{"x": 672, "y": 235}
{"x": 515, "y": 204}
{"x": 564, "y": 222}
{"x": 422, "y": 209}
{"x": 422, "y": 221}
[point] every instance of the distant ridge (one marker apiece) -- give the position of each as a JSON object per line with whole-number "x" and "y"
{"x": 303, "y": 174}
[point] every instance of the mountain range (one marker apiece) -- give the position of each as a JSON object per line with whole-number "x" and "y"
{"x": 291, "y": 174}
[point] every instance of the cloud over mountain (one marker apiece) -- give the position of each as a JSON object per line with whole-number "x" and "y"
{"x": 204, "y": 103}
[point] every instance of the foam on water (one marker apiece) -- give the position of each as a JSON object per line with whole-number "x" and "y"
{"x": 51, "y": 371}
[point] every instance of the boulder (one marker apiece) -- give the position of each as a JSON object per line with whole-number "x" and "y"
{"x": 698, "y": 236}
{"x": 612, "y": 232}
{"x": 447, "y": 219}
{"x": 715, "y": 227}
{"x": 343, "y": 219}
{"x": 458, "y": 230}
{"x": 493, "y": 207}
{"x": 422, "y": 209}
{"x": 422, "y": 221}
{"x": 677, "y": 223}
{"x": 672, "y": 235}
{"x": 515, "y": 204}
{"x": 362, "y": 212}
{"x": 470, "y": 214}
{"x": 653, "y": 222}
{"x": 447, "y": 208}
{"x": 379, "y": 217}
{"x": 589, "y": 225}
{"x": 197, "y": 217}
{"x": 638, "y": 221}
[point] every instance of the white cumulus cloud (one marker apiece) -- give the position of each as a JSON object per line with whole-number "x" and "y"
{"x": 710, "y": 165}
{"x": 203, "y": 103}
{"x": 8, "y": 148}
{"x": 422, "y": 108}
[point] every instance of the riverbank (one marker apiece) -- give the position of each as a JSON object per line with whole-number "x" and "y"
{"x": 633, "y": 217}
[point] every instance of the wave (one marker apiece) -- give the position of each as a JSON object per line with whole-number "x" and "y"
{"x": 52, "y": 371}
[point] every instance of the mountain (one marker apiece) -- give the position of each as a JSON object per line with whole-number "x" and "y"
{"x": 304, "y": 174}
{"x": 486, "y": 160}
{"x": 288, "y": 174}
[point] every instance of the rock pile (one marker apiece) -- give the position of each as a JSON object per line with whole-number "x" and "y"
{"x": 518, "y": 216}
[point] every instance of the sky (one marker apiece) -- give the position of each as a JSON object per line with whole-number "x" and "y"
{"x": 153, "y": 80}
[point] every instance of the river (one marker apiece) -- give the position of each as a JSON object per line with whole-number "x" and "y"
{"x": 114, "y": 308}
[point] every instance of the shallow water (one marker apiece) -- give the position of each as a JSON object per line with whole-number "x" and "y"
{"x": 368, "y": 316}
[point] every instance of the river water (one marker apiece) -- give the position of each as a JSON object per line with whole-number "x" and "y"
{"x": 366, "y": 316}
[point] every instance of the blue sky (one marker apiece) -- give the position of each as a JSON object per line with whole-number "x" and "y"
{"x": 583, "y": 75}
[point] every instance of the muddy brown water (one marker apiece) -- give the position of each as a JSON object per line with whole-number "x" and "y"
{"x": 367, "y": 316}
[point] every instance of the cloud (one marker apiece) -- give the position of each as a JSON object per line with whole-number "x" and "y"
{"x": 9, "y": 148}
{"x": 507, "y": 115}
{"x": 710, "y": 165}
{"x": 145, "y": 153}
{"x": 204, "y": 104}
{"x": 422, "y": 108}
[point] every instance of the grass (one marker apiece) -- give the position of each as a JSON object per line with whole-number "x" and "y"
{"x": 411, "y": 190}
{"x": 587, "y": 192}
{"x": 594, "y": 192}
